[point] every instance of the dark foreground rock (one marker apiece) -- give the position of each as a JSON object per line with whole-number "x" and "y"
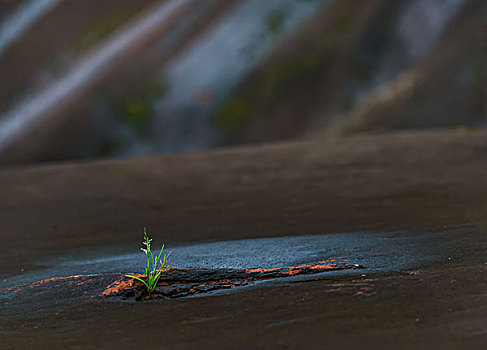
{"x": 419, "y": 182}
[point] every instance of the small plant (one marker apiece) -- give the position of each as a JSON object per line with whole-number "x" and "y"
{"x": 152, "y": 273}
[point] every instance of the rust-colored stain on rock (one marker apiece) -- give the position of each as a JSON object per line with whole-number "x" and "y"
{"x": 117, "y": 286}
{"x": 17, "y": 288}
{"x": 176, "y": 283}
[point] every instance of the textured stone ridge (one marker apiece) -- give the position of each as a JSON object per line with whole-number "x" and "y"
{"x": 176, "y": 283}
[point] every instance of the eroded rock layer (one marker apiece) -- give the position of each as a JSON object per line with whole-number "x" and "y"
{"x": 176, "y": 283}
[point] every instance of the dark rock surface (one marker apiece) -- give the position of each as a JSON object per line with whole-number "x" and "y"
{"x": 430, "y": 183}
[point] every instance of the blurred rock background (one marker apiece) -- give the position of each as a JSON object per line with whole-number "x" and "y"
{"x": 118, "y": 78}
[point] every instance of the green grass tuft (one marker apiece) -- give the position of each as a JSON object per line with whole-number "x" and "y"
{"x": 152, "y": 273}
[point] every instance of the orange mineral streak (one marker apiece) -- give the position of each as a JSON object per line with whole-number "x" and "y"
{"x": 38, "y": 283}
{"x": 261, "y": 270}
{"x": 253, "y": 275}
{"x": 365, "y": 293}
{"x": 295, "y": 270}
{"x": 119, "y": 285}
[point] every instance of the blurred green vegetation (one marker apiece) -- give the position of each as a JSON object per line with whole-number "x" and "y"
{"x": 345, "y": 42}
{"x": 104, "y": 26}
{"x": 135, "y": 111}
{"x": 235, "y": 114}
{"x": 136, "y": 108}
{"x": 275, "y": 21}
{"x": 95, "y": 31}
{"x": 275, "y": 80}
